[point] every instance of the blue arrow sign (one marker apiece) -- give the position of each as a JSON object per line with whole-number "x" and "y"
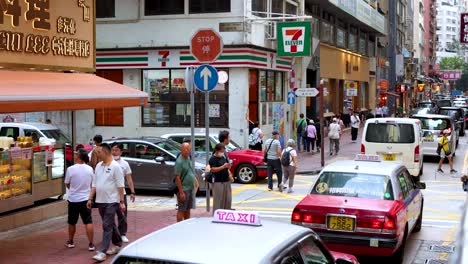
{"x": 291, "y": 98}
{"x": 206, "y": 78}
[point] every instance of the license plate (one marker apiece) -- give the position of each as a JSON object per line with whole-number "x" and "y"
{"x": 389, "y": 157}
{"x": 341, "y": 223}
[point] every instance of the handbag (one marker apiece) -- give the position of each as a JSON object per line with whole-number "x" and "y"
{"x": 265, "y": 155}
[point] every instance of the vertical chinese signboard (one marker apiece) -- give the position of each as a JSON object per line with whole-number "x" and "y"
{"x": 47, "y": 34}
{"x": 293, "y": 39}
{"x": 464, "y": 28}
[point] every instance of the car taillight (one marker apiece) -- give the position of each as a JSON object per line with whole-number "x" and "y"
{"x": 416, "y": 154}
{"x": 371, "y": 223}
{"x": 389, "y": 224}
{"x": 308, "y": 218}
{"x": 363, "y": 149}
{"x": 296, "y": 217}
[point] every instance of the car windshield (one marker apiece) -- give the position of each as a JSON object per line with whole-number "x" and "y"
{"x": 420, "y": 111}
{"x": 231, "y": 146}
{"x": 390, "y": 133}
{"x": 447, "y": 112}
{"x": 434, "y": 123}
{"x": 359, "y": 185}
{"x": 57, "y": 135}
{"x": 425, "y": 105}
{"x": 170, "y": 146}
{"x": 140, "y": 260}
{"x": 443, "y": 103}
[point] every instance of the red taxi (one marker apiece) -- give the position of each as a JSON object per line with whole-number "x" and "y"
{"x": 364, "y": 207}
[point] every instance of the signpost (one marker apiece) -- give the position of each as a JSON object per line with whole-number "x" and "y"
{"x": 206, "y": 46}
{"x": 291, "y": 98}
{"x": 307, "y": 92}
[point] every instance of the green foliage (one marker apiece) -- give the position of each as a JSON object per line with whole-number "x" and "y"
{"x": 452, "y": 63}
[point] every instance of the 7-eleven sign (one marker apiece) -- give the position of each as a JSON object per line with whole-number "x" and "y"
{"x": 293, "y": 39}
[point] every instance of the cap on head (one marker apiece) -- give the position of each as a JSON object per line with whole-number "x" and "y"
{"x": 334, "y": 119}
{"x": 275, "y": 132}
{"x": 311, "y": 121}
{"x": 446, "y": 132}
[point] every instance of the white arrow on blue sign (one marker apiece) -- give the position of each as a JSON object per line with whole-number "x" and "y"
{"x": 291, "y": 98}
{"x": 206, "y": 78}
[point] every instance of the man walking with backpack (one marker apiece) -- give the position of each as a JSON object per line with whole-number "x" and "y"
{"x": 301, "y": 124}
{"x": 289, "y": 163}
{"x": 272, "y": 152}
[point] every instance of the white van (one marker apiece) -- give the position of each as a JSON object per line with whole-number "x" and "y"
{"x": 395, "y": 139}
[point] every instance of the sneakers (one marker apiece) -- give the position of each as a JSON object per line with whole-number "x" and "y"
{"x": 125, "y": 239}
{"x": 112, "y": 251}
{"x": 284, "y": 187}
{"x": 280, "y": 188}
{"x": 269, "y": 189}
{"x": 70, "y": 244}
{"x": 453, "y": 171}
{"x": 440, "y": 170}
{"x": 100, "y": 257}
{"x": 91, "y": 247}
{"x": 290, "y": 191}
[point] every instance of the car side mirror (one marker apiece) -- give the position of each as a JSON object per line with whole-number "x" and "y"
{"x": 343, "y": 261}
{"x": 421, "y": 185}
{"x": 160, "y": 160}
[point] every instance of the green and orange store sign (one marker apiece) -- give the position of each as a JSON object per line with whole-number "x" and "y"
{"x": 181, "y": 58}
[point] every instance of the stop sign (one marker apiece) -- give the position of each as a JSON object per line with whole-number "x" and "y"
{"x": 206, "y": 45}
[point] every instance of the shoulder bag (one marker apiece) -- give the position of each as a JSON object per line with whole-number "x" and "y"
{"x": 265, "y": 159}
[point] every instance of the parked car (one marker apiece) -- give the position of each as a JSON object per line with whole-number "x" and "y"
{"x": 443, "y": 102}
{"x": 426, "y": 104}
{"x": 256, "y": 241}
{"x": 247, "y": 165}
{"x": 432, "y": 127}
{"x": 152, "y": 161}
{"x": 367, "y": 208}
{"x": 16, "y": 130}
{"x": 395, "y": 139}
{"x": 457, "y": 114}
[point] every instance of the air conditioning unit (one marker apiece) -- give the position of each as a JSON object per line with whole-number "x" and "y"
{"x": 270, "y": 30}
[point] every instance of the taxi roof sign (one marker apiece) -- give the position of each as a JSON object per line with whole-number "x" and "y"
{"x": 367, "y": 157}
{"x": 237, "y": 217}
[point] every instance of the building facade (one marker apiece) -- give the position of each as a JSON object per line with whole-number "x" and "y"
{"x": 448, "y": 28}
{"x": 430, "y": 26}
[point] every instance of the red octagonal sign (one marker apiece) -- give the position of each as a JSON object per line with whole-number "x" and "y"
{"x": 206, "y": 45}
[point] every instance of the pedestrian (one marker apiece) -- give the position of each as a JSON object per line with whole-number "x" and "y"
{"x": 311, "y": 135}
{"x": 108, "y": 185}
{"x": 334, "y": 132}
{"x": 340, "y": 122}
{"x": 256, "y": 137}
{"x": 289, "y": 169}
{"x": 370, "y": 115}
{"x": 400, "y": 111}
{"x": 444, "y": 151}
{"x": 318, "y": 138}
{"x": 78, "y": 180}
{"x": 355, "y": 122}
{"x": 301, "y": 123}
{"x": 185, "y": 182}
{"x": 385, "y": 111}
{"x": 93, "y": 157}
{"x": 378, "y": 112}
{"x": 117, "y": 151}
{"x": 272, "y": 150}
{"x": 222, "y": 194}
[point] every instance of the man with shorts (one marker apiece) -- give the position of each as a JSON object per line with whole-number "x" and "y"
{"x": 185, "y": 181}
{"x": 444, "y": 151}
{"x": 78, "y": 180}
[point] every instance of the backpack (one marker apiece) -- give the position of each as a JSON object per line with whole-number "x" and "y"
{"x": 252, "y": 138}
{"x": 286, "y": 158}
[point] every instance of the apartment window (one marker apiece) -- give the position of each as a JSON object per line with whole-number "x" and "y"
{"x": 169, "y": 102}
{"x": 362, "y": 44}
{"x": 291, "y": 9}
{"x": 209, "y": 6}
{"x": 105, "y": 8}
{"x": 327, "y": 33}
{"x": 164, "y": 7}
{"x": 340, "y": 38}
{"x": 277, "y": 7}
{"x": 259, "y": 6}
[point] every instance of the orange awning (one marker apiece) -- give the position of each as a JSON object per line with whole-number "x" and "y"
{"x": 32, "y": 91}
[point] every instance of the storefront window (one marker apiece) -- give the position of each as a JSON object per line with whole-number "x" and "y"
{"x": 340, "y": 38}
{"x": 352, "y": 42}
{"x": 262, "y": 86}
{"x": 279, "y": 87}
{"x": 362, "y": 45}
{"x": 169, "y": 101}
{"x": 271, "y": 88}
{"x": 325, "y": 32}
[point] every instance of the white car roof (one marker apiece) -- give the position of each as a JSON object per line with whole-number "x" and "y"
{"x": 187, "y": 135}
{"x": 367, "y": 167}
{"x": 199, "y": 240}
{"x": 393, "y": 119}
{"x": 30, "y": 125}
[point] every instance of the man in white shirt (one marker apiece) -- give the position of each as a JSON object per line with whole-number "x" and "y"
{"x": 108, "y": 185}
{"x": 355, "y": 122}
{"x": 117, "y": 149}
{"x": 78, "y": 181}
{"x": 334, "y": 132}
{"x": 378, "y": 112}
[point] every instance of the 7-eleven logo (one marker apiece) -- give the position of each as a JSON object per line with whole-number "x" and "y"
{"x": 164, "y": 59}
{"x": 293, "y": 39}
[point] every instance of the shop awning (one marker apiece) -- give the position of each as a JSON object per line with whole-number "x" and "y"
{"x": 392, "y": 94}
{"x": 32, "y": 91}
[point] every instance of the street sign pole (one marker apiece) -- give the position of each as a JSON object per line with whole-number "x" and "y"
{"x": 207, "y": 142}
{"x": 189, "y": 71}
{"x": 322, "y": 125}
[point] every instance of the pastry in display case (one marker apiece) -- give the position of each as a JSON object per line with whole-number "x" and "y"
{"x": 15, "y": 175}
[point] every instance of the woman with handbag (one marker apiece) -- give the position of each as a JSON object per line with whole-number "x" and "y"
{"x": 219, "y": 167}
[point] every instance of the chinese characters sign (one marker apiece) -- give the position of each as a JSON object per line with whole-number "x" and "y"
{"x": 293, "y": 39}
{"x": 47, "y": 34}
{"x": 464, "y": 28}
{"x": 450, "y": 75}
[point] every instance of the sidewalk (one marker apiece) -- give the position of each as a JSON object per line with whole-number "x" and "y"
{"x": 48, "y": 244}
{"x": 309, "y": 163}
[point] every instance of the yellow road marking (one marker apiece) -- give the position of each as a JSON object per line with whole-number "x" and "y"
{"x": 259, "y": 200}
{"x": 242, "y": 188}
{"x": 443, "y": 193}
{"x": 447, "y": 241}
{"x": 455, "y": 197}
{"x": 445, "y": 213}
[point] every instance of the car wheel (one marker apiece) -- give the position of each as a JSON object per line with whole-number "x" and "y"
{"x": 418, "y": 225}
{"x": 399, "y": 255}
{"x": 246, "y": 173}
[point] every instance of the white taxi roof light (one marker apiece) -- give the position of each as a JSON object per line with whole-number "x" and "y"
{"x": 237, "y": 217}
{"x": 367, "y": 157}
